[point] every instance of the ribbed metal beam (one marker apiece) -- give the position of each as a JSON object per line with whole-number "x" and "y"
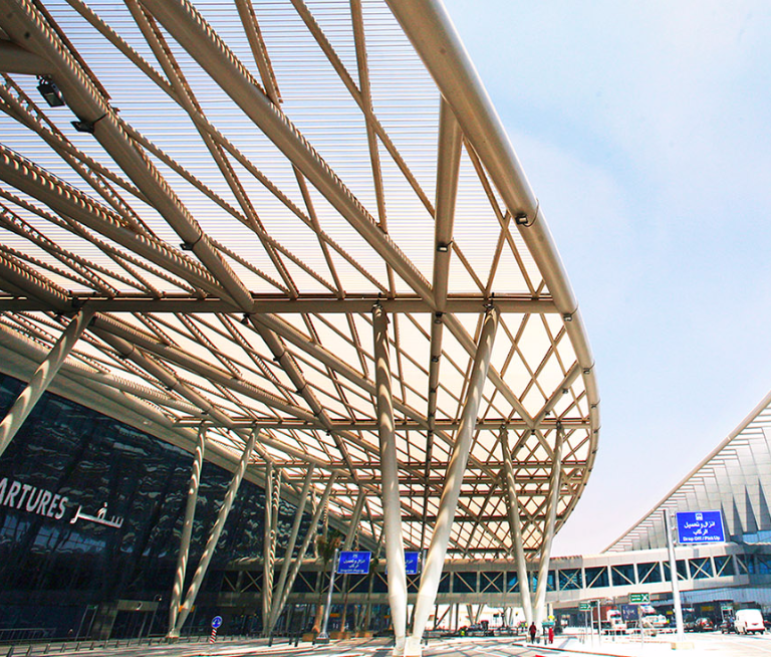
{"x": 42, "y": 378}
{"x": 194, "y": 34}
{"x": 24, "y": 23}
{"x": 214, "y": 536}
{"x": 273, "y": 305}
{"x": 187, "y": 532}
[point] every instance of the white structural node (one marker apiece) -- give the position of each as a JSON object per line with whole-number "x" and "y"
{"x": 206, "y": 212}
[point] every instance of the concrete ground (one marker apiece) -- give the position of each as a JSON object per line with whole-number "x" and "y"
{"x": 702, "y": 645}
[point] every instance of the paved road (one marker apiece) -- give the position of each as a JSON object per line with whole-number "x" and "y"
{"x": 704, "y": 645}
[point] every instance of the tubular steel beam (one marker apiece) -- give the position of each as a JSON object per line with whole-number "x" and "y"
{"x": 548, "y": 533}
{"x": 42, "y": 378}
{"x": 450, "y": 140}
{"x": 24, "y": 23}
{"x": 193, "y": 33}
{"x": 432, "y": 571}
{"x": 397, "y": 574}
{"x": 353, "y": 523}
{"x": 68, "y": 201}
{"x": 367, "y": 424}
{"x": 216, "y": 531}
{"x": 515, "y": 525}
{"x": 187, "y": 532}
{"x": 298, "y": 516}
{"x": 298, "y": 562}
{"x": 273, "y": 305}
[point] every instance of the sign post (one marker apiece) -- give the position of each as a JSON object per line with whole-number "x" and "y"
{"x": 586, "y": 607}
{"x": 640, "y": 599}
{"x": 215, "y": 623}
{"x": 673, "y": 576}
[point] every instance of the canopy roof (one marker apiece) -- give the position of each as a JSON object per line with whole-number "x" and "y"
{"x": 231, "y": 187}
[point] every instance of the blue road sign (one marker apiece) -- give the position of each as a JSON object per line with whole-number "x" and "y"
{"x": 354, "y": 563}
{"x": 216, "y": 622}
{"x": 412, "y": 561}
{"x": 700, "y": 527}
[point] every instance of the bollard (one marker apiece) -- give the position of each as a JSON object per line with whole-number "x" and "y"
{"x": 92, "y": 645}
{"x": 29, "y": 650}
{"x": 10, "y": 652}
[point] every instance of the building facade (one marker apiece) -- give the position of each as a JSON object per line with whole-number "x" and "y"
{"x": 91, "y": 512}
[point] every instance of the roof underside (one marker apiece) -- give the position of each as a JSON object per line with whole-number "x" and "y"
{"x": 250, "y": 181}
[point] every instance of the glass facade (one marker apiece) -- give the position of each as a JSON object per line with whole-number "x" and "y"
{"x": 91, "y": 512}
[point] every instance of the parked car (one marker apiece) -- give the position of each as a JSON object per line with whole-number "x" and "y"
{"x": 749, "y": 621}
{"x": 727, "y": 626}
{"x": 704, "y": 624}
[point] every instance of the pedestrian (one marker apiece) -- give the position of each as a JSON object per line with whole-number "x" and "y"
{"x": 551, "y": 634}
{"x": 533, "y": 630}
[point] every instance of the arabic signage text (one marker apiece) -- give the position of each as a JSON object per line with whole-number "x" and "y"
{"x": 412, "y": 562}
{"x": 700, "y": 527}
{"x": 354, "y": 563}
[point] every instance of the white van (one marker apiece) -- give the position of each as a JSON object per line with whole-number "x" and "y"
{"x": 749, "y": 621}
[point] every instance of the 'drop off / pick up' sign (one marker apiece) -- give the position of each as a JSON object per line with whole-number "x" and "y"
{"x": 700, "y": 527}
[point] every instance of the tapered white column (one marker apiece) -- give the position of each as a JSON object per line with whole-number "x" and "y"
{"x": 548, "y": 533}
{"x": 298, "y": 517}
{"x": 515, "y": 524}
{"x": 432, "y": 571}
{"x": 42, "y": 378}
{"x": 389, "y": 467}
{"x": 355, "y": 519}
{"x": 187, "y": 532}
{"x": 216, "y": 531}
{"x": 304, "y": 548}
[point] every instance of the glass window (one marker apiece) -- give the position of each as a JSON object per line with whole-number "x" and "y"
{"x": 512, "y": 581}
{"x": 464, "y": 583}
{"x": 491, "y": 582}
{"x": 682, "y": 572}
{"x": 701, "y": 568}
{"x": 724, "y": 566}
{"x": 649, "y": 573}
{"x": 597, "y": 577}
{"x": 569, "y": 579}
{"x": 623, "y": 575}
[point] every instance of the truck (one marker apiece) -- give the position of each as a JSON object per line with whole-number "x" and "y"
{"x": 611, "y": 620}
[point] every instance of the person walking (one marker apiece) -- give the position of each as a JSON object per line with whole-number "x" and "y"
{"x": 533, "y": 630}
{"x": 551, "y": 634}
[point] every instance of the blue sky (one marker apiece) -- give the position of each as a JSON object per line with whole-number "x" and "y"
{"x": 644, "y": 131}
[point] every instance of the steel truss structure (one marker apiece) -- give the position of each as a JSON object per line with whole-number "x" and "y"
{"x": 240, "y": 200}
